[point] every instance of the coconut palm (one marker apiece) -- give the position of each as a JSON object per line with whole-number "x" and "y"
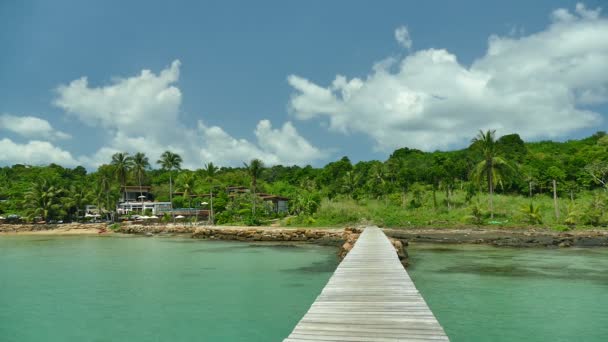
{"x": 494, "y": 169}
{"x": 140, "y": 165}
{"x": 43, "y": 199}
{"x": 102, "y": 189}
{"x": 186, "y": 182}
{"x": 170, "y": 161}
{"x": 532, "y": 213}
{"x": 254, "y": 169}
{"x": 351, "y": 180}
{"x": 122, "y": 164}
{"x": 75, "y": 200}
{"x": 210, "y": 170}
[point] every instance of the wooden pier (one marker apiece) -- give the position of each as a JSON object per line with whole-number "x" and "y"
{"x": 370, "y": 297}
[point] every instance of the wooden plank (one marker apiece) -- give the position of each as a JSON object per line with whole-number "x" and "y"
{"x": 370, "y": 297}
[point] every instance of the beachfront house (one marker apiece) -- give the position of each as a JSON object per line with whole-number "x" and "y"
{"x": 134, "y": 193}
{"x": 276, "y": 202}
{"x": 136, "y": 199}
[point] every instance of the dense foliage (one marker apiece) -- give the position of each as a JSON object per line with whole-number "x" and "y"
{"x": 411, "y": 187}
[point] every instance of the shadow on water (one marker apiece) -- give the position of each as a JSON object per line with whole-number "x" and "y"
{"x": 326, "y": 266}
{"x": 223, "y": 249}
{"x": 250, "y": 248}
{"x": 543, "y": 272}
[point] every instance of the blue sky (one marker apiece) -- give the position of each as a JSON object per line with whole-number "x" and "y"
{"x": 260, "y": 79}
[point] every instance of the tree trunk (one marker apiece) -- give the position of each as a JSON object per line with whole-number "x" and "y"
{"x": 555, "y": 199}
{"x": 171, "y": 196}
{"x": 212, "y": 218}
{"x": 434, "y": 198}
{"x": 491, "y": 188}
{"x": 530, "y": 189}
{"x": 141, "y": 194}
{"x": 254, "y": 184}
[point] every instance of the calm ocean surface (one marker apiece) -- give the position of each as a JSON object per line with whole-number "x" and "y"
{"x": 482, "y": 293}
{"x": 155, "y": 289}
{"x": 178, "y": 289}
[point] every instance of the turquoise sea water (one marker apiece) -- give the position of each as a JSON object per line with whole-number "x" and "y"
{"x": 482, "y": 293}
{"x": 155, "y": 289}
{"x": 177, "y": 289}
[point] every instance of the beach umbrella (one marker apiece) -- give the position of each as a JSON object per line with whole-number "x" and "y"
{"x": 179, "y": 217}
{"x": 153, "y": 217}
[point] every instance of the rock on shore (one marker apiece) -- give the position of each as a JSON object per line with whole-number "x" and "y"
{"x": 505, "y": 238}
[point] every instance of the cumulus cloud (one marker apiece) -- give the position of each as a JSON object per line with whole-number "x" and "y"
{"x": 539, "y": 85}
{"x": 402, "y": 36}
{"x": 143, "y": 102}
{"x": 141, "y": 113}
{"x": 34, "y": 152}
{"x": 30, "y": 127}
{"x": 274, "y": 146}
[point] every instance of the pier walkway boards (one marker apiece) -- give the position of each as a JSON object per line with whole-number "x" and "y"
{"x": 370, "y": 297}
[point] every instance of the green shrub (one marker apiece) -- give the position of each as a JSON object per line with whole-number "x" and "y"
{"x": 114, "y": 226}
{"x": 476, "y": 213}
{"x": 532, "y": 214}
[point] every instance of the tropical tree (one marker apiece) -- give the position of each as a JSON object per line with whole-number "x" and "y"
{"x": 598, "y": 170}
{"x": 102, "y": 189}
{"x": 75, "y": 200}
{"x": 186, "y": 182}
{"x": 139, "y": 166}
{"x": 493, "y": 168}
{"x": 254, "y": 169}
{"x": 43, "y": 199}
{"x": 532, "y": 213}
{"x": 210, "y": 170}
{"x": 350, "y": 181}
{"x": 170, "y": 161}
{"x": 122, "y": 163}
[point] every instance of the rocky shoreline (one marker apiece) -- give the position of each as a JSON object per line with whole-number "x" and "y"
{"x": 504, "y": 238}
{"x": 343, "y": 238}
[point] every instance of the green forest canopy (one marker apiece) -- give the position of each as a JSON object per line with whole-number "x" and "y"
{"x": 576, "y": 165}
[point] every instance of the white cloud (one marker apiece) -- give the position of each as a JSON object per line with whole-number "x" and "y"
{"x": 132, "y": 105}
{"x": 141, "y": 114}
{"x": 34, "y": 152}
{"x": 30, "y": 127}
{"x": 402, "y": 35}
{"x": 274, "y": 146}
{"x": 536, "y": 85}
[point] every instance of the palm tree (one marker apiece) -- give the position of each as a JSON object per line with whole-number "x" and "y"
{"x": 186, "y": 183}
{"x": 43, "y": 199}
{"x": 102, "y": 189}
{"x": 494, "y": 169}
{"x": 351, "y": 180}
{"x": 210, "y": 170}
{"x": 76, "y": 199}
{"x": 122, "y": 164}
{"x": 254, "y": 168}
{"x": 170, "y": 161}
{"x": 140, "y": 165}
